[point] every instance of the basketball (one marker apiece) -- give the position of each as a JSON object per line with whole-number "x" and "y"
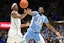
{"x": 23, "y": 4}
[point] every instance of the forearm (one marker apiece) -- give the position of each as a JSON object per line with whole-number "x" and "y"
{"x": 23, "y": 15}
{"x": 23, "y": 25}
{"x": 52, "y": 29}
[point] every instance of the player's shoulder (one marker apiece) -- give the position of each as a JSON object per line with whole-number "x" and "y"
{"x": 35, "y": 11}
{"x": 44, "y": 16}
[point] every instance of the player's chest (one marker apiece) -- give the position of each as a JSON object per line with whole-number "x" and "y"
{"x": 38, "y": 18}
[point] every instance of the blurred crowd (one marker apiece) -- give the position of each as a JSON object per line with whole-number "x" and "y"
{"x": 50, "y": 37}
{"x": 3, "y": 35}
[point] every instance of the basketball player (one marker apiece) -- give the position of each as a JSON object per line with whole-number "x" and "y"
{"x": 14, "y": 34}
{"x": 38, "y": 18}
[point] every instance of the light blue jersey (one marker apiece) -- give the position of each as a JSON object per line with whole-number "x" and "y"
{"x": 37, "y": 22}
{"x": 35, "y": 26}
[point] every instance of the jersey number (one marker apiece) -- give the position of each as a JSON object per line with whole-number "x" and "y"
{"x": 39, "y": 21}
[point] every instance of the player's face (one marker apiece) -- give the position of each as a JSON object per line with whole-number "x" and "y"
{"x": 15, "y": 7}
{"x": 41, "y": 10}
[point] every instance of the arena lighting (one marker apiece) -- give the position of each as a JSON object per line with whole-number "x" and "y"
{"x": 5, "y": 25}
{"x": 59, "y": 21}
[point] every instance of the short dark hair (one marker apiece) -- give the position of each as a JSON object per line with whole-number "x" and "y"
{"x": 42, "y": 7}
{"x": 31, "y": 40}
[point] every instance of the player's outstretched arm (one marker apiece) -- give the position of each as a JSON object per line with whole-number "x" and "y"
{"x": 52, "y": 29}
{"x": 24, "y": 14}
{"x": 25, "y": 25}
{"x": 17, "y": 15}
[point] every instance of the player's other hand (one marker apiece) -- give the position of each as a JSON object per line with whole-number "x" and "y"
{"x": 58, "y": 34}
{"x": 27, "y": 24}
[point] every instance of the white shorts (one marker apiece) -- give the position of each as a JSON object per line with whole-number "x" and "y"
{"x": 15, "y": 39}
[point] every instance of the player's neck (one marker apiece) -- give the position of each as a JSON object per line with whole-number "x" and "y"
{"x": 40, "y": 14}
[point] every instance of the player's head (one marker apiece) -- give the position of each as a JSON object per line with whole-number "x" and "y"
{"x": 41, "y": 10}
{"x": 14, "y": 6}
{"x": 31, "y": 41}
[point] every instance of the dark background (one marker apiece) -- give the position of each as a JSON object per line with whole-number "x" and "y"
{"x": 54, "y": 9}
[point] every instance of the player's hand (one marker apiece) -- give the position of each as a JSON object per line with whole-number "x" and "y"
{"x": 58, "y": 34}
{"x": 29, "y": 10}
{"x": 27, "y": 24}
{"x": 25, "y": 10}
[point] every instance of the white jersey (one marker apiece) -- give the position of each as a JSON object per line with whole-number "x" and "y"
{"x": 15, "y": 28}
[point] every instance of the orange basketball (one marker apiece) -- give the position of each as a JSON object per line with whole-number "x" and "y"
{"x": 23, "y": 4}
